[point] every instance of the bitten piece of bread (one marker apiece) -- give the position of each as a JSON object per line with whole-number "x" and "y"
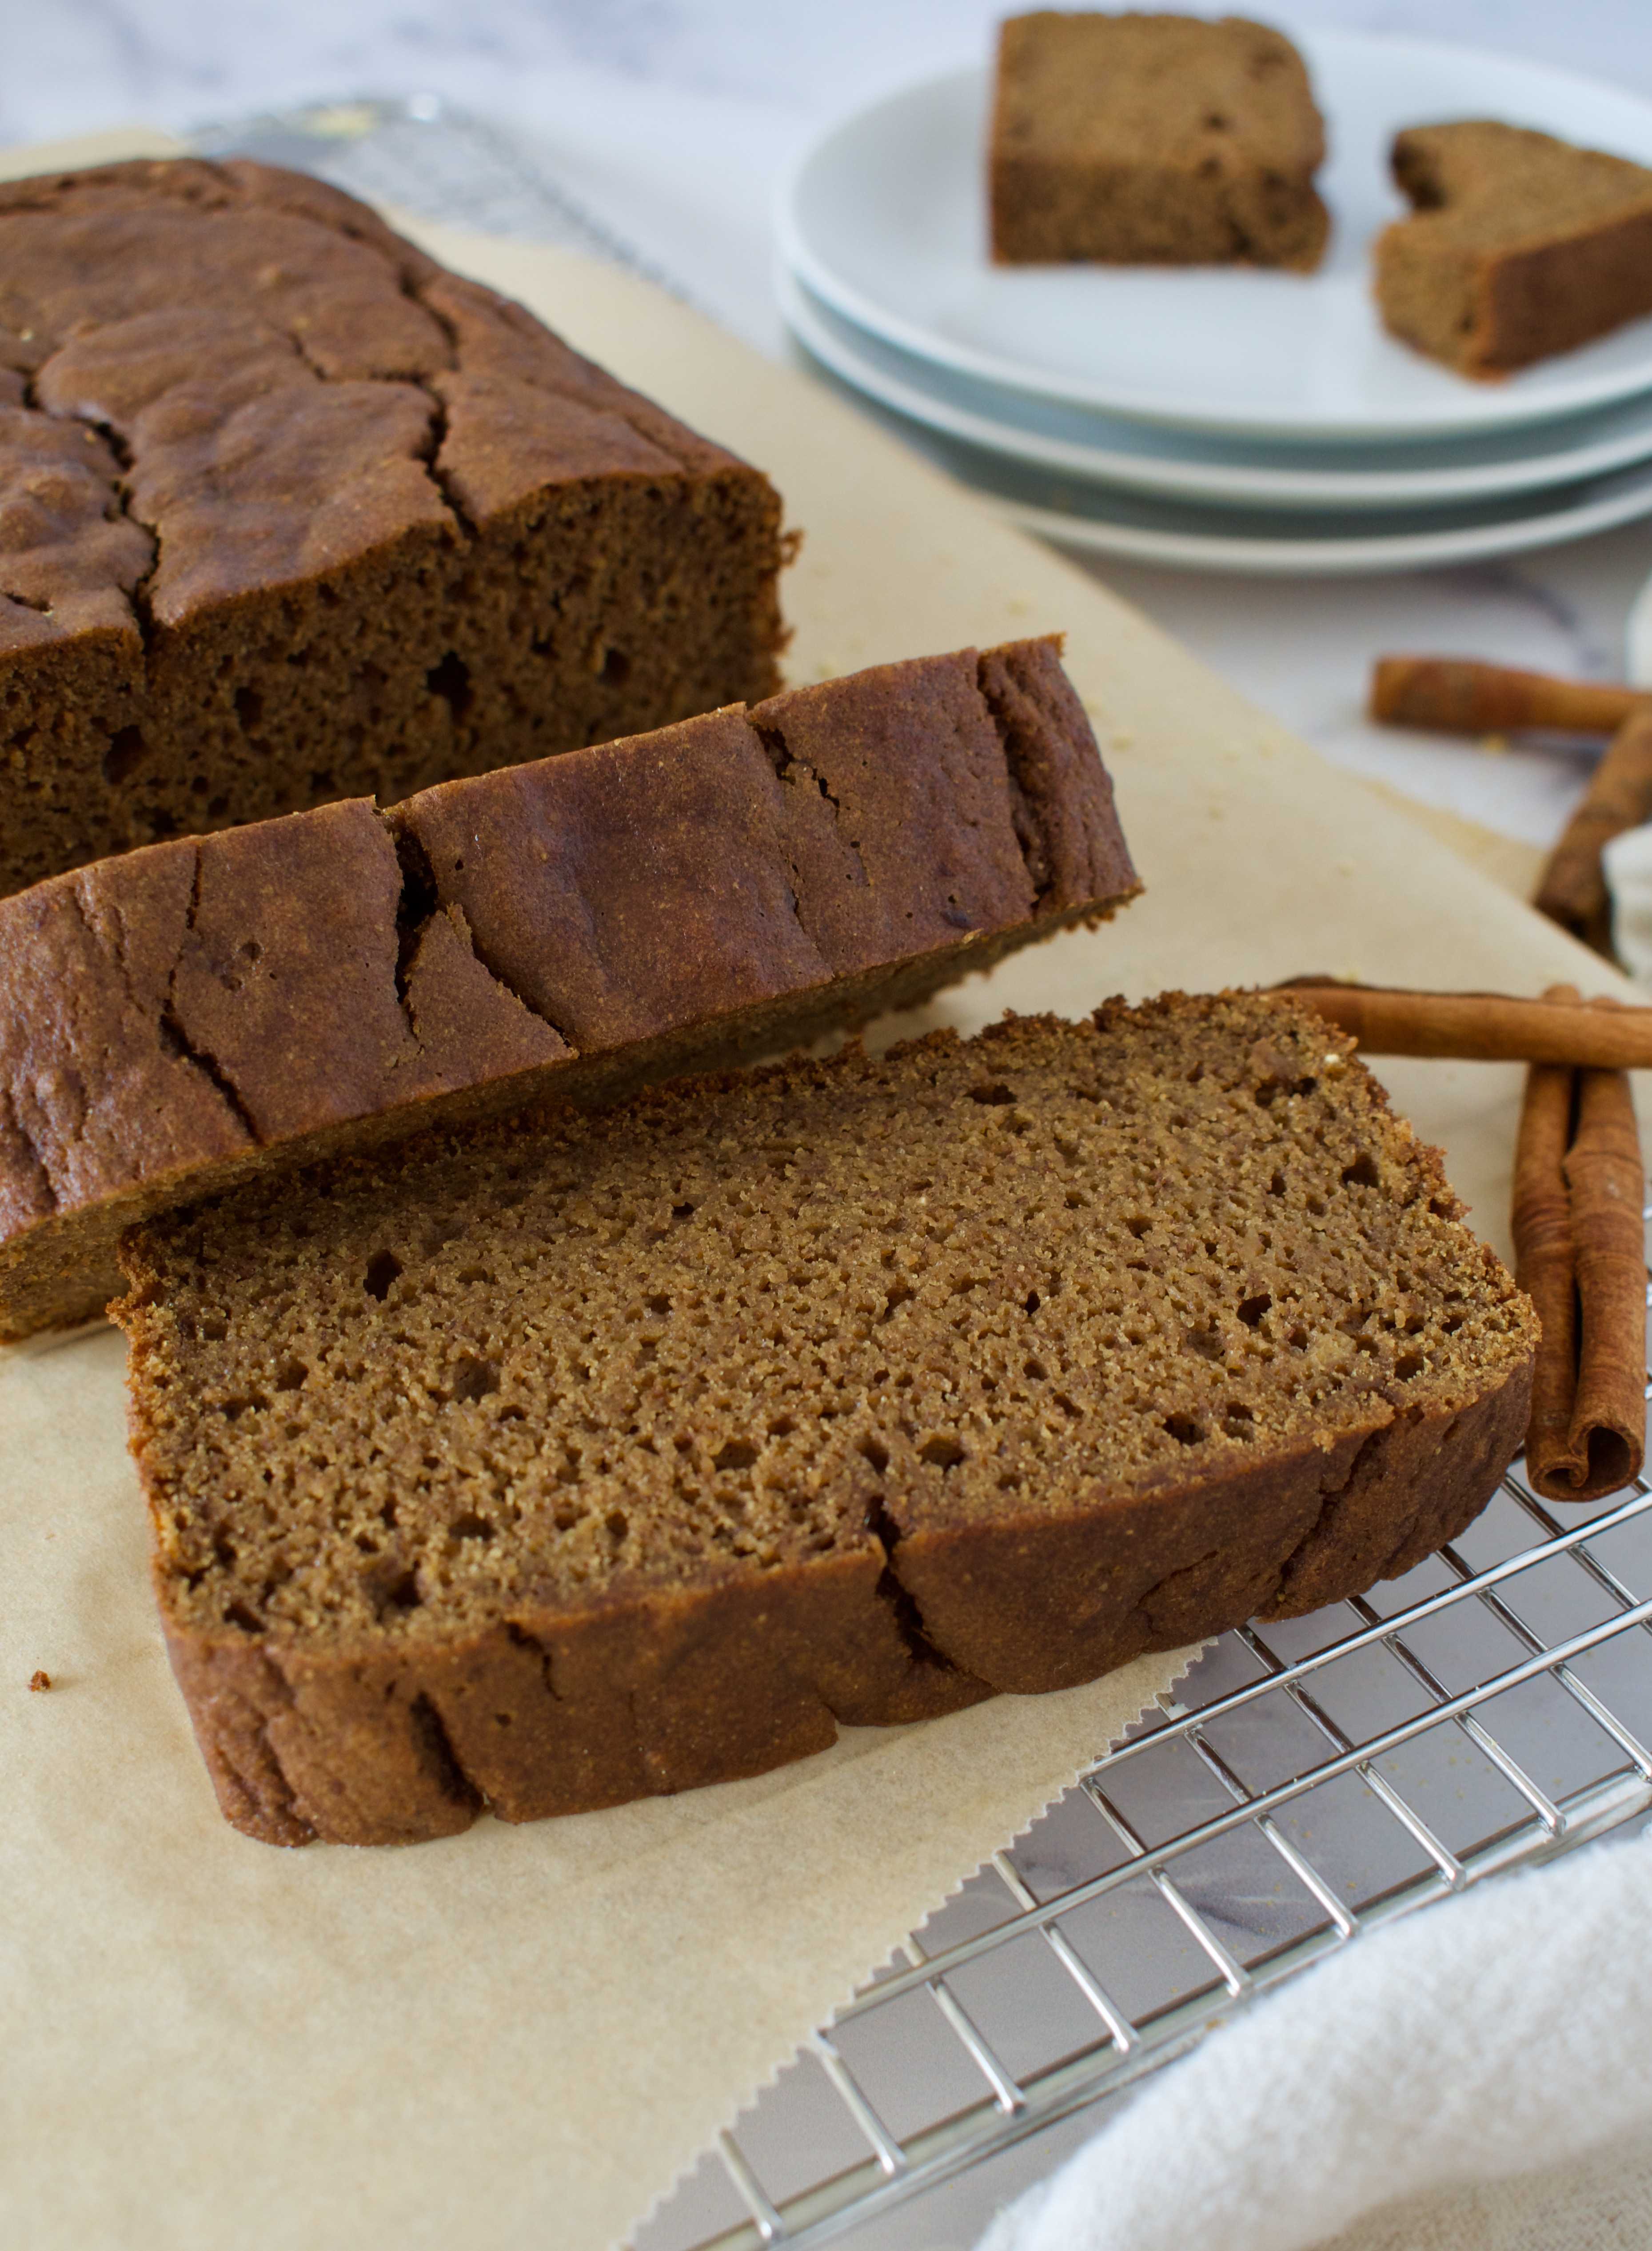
{"x": 1519, "y": 245}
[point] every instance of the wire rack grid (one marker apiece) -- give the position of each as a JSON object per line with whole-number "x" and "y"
{"x": 432, "y": 158}
{"x": 1307, "y": 1783}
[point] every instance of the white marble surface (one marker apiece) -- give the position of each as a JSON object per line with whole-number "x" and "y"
{"x": 673, "y": 120}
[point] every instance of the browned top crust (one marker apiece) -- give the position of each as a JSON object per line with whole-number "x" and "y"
{"x": 164, "y": 1010}
{"x": 291, "y": 386}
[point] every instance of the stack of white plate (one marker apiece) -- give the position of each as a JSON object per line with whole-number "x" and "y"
{"x": 1217, "y": 417}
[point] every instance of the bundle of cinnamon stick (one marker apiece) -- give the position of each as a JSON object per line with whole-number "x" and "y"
{"x": 1453, "y": 697}
{"x": 1579, "y": 1186}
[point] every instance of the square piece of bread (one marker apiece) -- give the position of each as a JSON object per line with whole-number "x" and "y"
{"x": 188, "y": 1013}
{"x": 1153, "y": 141}
{"x": 1519, "y": 245}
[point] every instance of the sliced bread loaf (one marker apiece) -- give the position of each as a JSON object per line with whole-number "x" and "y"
{"x": 291, "y": 514}
{"x": 186, "y": 1014}
{"x": 547, "y": 1465}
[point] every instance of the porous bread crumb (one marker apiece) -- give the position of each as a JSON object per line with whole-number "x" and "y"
{"x": 853, "y": 1313}
{"x": 1519, "y": 244}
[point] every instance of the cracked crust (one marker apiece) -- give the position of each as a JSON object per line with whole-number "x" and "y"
{"x": 542, "y": 1468}
{"x": 293, "y": 515}
{"x": 192, "y": 1013}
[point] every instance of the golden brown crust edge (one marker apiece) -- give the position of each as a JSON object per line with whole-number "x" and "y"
{"x": 670, "y": 1691}
{"x": 284, "y": 991}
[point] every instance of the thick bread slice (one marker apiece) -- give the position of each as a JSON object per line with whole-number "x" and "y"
{"x": 180, "y": 1017}
{"x": 546, "y": 1466}
{"x": 1153, "y": 139}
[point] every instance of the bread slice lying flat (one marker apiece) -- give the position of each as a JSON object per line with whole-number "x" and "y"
{"x": 1519, "y": 247}
{"x": 199, "y": 1011}
{"x": 546, "y": 1466}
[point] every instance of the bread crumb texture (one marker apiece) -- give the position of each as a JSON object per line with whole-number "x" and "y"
{"x": 1519, "y": 245}
{"x": 1024, "y": 1354}
{"x": 1153, "y": 139}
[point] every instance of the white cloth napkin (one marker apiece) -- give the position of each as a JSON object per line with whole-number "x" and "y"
{"x": 1628, "y": 862}
{"x": 1445, "y": 2082}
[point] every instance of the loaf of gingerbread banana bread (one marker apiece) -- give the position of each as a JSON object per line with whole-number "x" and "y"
{"x": 185, "y": 1014}
{"x": 291, "y": 514}
{"x": 1519, "y": 245}
{"x": 541, "y": 1468}
{"x": 1153, "y": 139}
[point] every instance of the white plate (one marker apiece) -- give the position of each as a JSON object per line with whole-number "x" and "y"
{"x": 885, "y": 220}
{"x": 1361, "y": 554}
{"x": 1105, "y": 520}
{"x": 1144, "y": 458}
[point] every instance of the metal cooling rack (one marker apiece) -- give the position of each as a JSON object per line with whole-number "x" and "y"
{"x": 1309, "y": 1781}
{"x": 433, "y": 159}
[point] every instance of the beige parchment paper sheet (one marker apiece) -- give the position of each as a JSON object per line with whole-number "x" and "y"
{"x": 521, "y": 2036}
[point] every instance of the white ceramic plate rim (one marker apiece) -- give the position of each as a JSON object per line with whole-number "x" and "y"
{"x": 1308, "y": 489}
{"x": 1300, "y": 558}
{"x": 1503, "y": 404}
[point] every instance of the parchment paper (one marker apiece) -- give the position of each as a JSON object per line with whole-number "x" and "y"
{"x": 520, "y": 2037}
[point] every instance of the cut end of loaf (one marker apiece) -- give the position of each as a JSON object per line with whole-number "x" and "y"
{"x": 304, "y": 516}
{"x": 558, "y": 1462}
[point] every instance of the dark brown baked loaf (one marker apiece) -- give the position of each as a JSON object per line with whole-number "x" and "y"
{"x": 288, "y": 513}
{"x": 1519, "y": 245}
{"x": 185, "y": 1014}
{"x": 544, "y": 1467}
{"x": 1153, "y": 139}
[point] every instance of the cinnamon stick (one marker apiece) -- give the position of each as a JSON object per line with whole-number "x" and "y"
{"x": 1453, "y": 695}
{"x": 1580, "y": 1255}
{"x": 1606, "y": 1183}
{"x": 1483, "y": 1027}
{"x": 1546, "y": 1267}
{"x": 1573, "y": 890}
